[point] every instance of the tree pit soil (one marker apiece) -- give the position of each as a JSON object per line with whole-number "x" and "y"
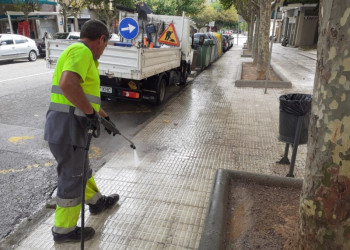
{"x": 261, "y": 217}
{"x": 250, "y": 72}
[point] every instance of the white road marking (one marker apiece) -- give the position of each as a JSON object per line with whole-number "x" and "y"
{"x": 17, "y": 78}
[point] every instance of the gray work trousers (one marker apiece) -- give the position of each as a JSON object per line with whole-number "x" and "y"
{"x": 70, "y": 160}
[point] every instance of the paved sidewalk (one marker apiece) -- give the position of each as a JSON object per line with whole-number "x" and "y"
{"x": 212, "y": 124}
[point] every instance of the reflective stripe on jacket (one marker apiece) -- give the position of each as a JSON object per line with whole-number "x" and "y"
{"x": 60, "y": 103}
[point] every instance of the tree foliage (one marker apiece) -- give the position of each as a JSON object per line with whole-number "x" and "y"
{"x": 175, "y": 7}
{"x": 226, "y": 18}
{"x": 216, "y": 12}
{"x": 70, "y": 7}
{"x": 26, "y": 6}
{"x": 105, "y": 9}
{"x": 243, "y": 7}
{"x": 206, "y": 15}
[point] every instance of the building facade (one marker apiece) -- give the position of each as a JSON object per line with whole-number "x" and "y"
{"x": 17, "y": 18}
{"x": 300, "y": 24}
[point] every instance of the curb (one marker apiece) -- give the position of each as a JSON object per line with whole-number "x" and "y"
{"x": 262, "y": 83}
{"x": 213, "y": 235}
{"x": 247, "y": 56}
{"x": 239, "y": 72}
{"x": 24, "y": 228}
{"x": 279, "y": 73}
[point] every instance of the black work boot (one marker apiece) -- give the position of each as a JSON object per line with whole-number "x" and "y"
{"x": 103, "y": 203}
{"x": 74, "y": 236}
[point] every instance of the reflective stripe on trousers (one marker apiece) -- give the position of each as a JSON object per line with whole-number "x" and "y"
{"x": 70, "y": 164}
{"x": 66, "y": 218}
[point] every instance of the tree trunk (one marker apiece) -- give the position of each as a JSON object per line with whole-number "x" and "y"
{"x": 256, "y": 38}
{"x": 109, "y": 23}
{"x": 325, "y": 199}
{"x": 65, "y": 20}
{"x": 76, "y": 26}
{"x": 250, "y": 32}
{"x": 263, "y": 42}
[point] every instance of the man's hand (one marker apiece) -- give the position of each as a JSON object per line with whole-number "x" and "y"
{"x": 110, "y": 121}
{"x": 94, "y": 123}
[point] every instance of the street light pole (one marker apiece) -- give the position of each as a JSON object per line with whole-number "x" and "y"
{"x": 237, "y": 32}
{"x": 10, "y": 23}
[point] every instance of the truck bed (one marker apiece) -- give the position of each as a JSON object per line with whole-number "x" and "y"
{"x": 124, "y": 62}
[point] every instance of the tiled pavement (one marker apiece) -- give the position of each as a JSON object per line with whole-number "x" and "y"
{"x": 212, "y": 124}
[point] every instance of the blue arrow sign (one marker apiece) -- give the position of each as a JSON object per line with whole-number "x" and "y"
{"x": 128, "y": 28}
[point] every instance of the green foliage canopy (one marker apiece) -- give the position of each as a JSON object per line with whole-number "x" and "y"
{"x": 216, "y": 12}
{"x": 175, "y": 7}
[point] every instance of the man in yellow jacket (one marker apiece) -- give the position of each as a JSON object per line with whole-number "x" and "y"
{"x": 75, "y": 105}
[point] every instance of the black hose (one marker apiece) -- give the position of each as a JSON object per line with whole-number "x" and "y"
{"x": 87, "y": 146}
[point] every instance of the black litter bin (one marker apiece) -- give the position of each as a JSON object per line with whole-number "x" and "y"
{"x": 293, "y": 106}
{"x": 294, "y": 122}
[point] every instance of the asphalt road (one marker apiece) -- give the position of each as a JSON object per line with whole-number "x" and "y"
{"x": 27, "y": 168}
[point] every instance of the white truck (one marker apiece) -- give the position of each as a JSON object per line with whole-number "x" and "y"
{"x": 130, "y": 70}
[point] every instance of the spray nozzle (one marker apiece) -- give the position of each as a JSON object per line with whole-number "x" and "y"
{"x": 114, "y": 130}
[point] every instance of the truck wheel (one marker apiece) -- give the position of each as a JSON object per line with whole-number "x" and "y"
{"x": 161, "y": 90}
{"x": 32, "y": 56}
{"x": 183, "y": 78}
{"x": 184, "y": 75}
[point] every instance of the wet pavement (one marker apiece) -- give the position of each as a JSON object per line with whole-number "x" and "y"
{"x": 212, "y": 124}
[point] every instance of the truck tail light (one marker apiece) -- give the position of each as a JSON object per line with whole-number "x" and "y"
{"x": 131, "y": 94}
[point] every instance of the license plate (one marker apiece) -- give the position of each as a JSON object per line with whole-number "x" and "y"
{"x": 106, "y": 89}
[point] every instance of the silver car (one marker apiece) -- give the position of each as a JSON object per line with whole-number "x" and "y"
{"x": 17, "y": 47}
{"x": 67, "y": 35}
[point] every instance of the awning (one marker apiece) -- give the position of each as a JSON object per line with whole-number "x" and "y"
{"x": 23, "y": 1}
{"x": 19, "y": 15}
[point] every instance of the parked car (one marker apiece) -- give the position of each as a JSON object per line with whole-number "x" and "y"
{"x": 229, "y": 39}
{"x": 205, "y": 35}
{"x": 67, "y": 35}
{"x": 225, "y": 46}
{"x": 114, "y": 38}
{"x": 17, "y": 47}
{"x": 40, "y": 43}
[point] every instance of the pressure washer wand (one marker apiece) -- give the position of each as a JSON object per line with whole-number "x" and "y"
{"x": 111, "y": 127}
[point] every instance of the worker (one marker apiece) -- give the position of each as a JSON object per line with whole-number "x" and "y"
{"x": 75, "y": 107}
{"x": 46, "y": 35}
